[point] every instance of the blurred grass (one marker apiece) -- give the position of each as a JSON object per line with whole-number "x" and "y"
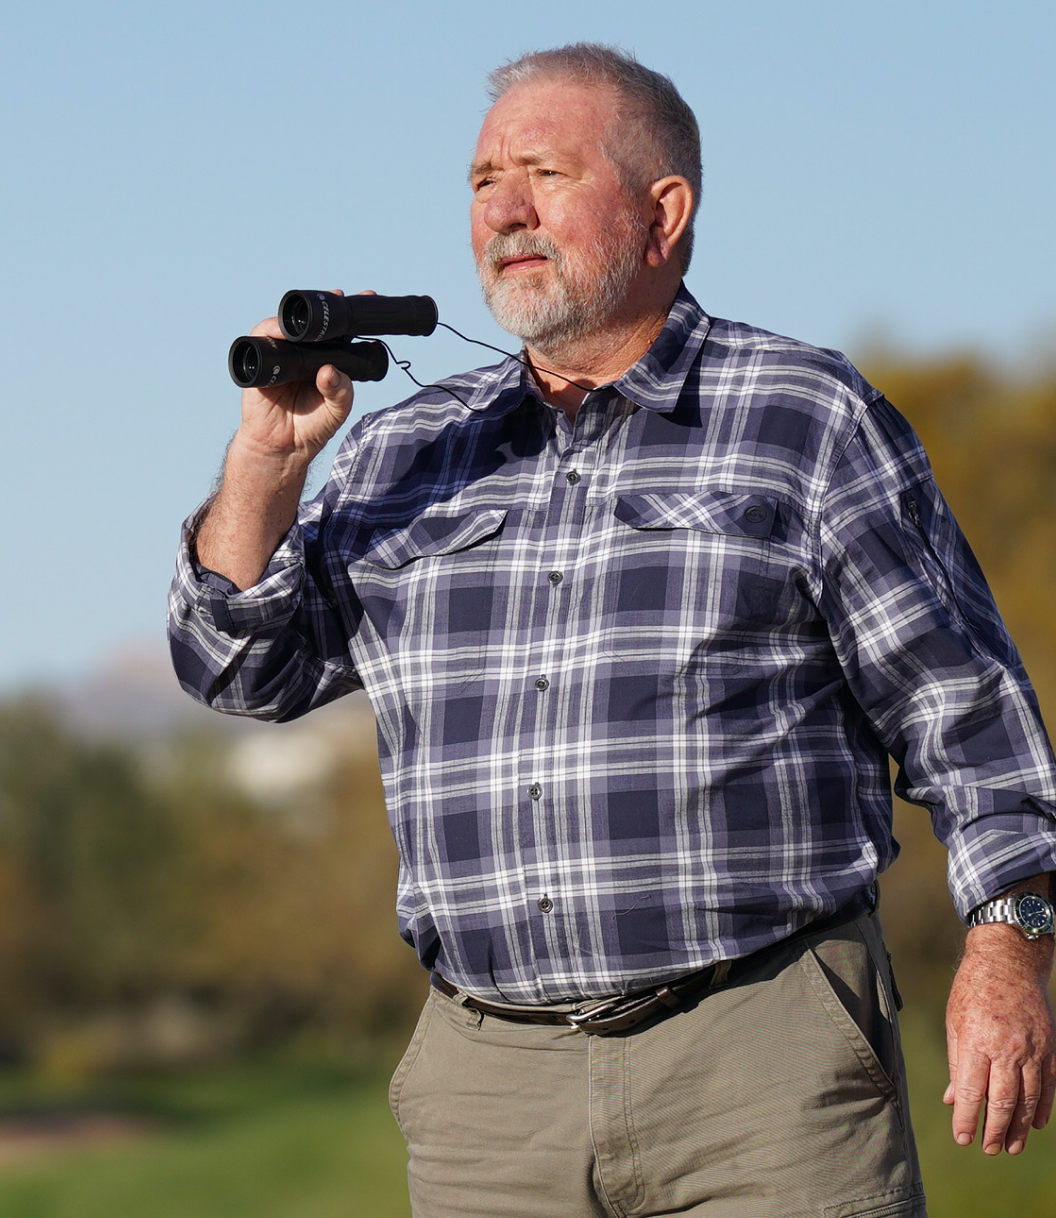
{"x": 282, "y": 1142}
{"x": 264, "y": 1143}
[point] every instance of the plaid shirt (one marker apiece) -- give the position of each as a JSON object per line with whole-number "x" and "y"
{"x": 636, "y": 678}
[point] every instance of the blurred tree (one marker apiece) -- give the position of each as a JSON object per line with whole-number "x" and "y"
{"x": 298, "y": 902}
{"x": 85, "y": 856}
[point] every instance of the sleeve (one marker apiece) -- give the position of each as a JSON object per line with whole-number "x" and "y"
{"x": 274, "y": 651}
{"x": 930, "y": 663}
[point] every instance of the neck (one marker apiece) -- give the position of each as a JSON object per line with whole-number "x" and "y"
{"x": 567, "y": 371}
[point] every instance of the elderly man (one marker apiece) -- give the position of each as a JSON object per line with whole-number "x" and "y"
{"x": 641, "y": 617}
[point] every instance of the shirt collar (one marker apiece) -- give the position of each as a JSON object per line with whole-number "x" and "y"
{"x": 499, "y": 392}
{"x": 654, "y": 382}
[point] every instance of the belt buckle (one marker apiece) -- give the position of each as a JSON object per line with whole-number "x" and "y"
{"x": 616, "y": 1014}
{"x": 597, "y": 1010}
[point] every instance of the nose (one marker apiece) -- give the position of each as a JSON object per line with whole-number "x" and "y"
{"x": 510, "y": 206}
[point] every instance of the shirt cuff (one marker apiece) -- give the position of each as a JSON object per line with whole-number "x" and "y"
{"x": 220, "y": 605}
{"x": 999, "y": 850}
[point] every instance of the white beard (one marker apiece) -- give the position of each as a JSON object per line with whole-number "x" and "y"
{"x": 569, "y": 299}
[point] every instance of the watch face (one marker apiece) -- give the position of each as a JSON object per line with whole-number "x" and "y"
{"x": 1035, "y": 915}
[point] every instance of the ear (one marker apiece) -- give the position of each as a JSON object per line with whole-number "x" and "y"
{"x": 671, "y": 205}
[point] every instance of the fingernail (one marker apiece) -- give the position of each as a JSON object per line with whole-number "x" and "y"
{"x": 1015, "y": 1147}
{"x": 964, "y": 1139}
{"x": 993, "y": 1149}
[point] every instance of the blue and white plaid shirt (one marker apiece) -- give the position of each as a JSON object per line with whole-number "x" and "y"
{"x": 636, "y": 678}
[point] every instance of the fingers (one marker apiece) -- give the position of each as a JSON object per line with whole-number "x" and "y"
{"x": 967, "y": 1092}
{"x": 951, "y": 1057}
{"x": 1010, "y": 1101}
{"x": 335, "y": 388}
{"x": 1023, "y": 1116}
{"x": 1010, "y": 1104}
{"x": 1048, "y": 1095}
{"x": 268, "y": 328}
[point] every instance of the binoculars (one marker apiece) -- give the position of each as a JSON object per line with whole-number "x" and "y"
{"x": 318, "y": 328}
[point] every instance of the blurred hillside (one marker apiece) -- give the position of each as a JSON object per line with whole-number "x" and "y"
{"x": 179, "y": 887}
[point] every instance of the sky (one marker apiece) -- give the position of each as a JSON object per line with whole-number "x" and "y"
{"x": 872, "y": 173}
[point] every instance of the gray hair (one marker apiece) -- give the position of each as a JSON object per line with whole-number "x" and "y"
{"x": 655, "y": 133}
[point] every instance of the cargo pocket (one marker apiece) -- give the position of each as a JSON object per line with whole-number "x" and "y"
{"x": 888, "y": 1205}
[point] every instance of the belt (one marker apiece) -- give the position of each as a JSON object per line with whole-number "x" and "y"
{"x": 607, "y": 1016}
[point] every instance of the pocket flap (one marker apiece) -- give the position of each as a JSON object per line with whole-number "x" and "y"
{"x": 708, "y": 512}
{"x": 433, "y": 534}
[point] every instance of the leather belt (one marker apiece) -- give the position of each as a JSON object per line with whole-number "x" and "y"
{"x": 606, "y": 1016}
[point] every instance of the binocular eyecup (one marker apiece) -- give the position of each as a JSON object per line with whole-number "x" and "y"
{"x": 257, "y": 362}
{"x": 318, "y": 328}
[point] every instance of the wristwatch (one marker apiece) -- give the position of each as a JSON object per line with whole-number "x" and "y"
{"x": 1029, "y": 911}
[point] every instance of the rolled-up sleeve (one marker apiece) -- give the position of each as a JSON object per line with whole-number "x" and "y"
{"x": 929, "y": 661}
{"x": 272, "y": 651}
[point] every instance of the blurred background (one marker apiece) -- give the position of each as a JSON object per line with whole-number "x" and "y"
{"x": 201, "y": 987}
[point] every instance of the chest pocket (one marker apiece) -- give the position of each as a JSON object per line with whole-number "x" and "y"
{"x": 429, "y": 591}
{"x": 690, "y": 570}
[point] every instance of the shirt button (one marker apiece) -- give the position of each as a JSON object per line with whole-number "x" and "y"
{"x": 555, "y": 577}
{"x": 545, "y": 904}
{"x": 572, "y": 477}
{"x": 535, "y": 791}
{"x": 756, "y": 514}
{"x": 542, "y": 683}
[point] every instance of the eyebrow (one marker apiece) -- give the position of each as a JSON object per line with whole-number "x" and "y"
{"x": 479, "y": 167}
{"x": 534, "y": 157}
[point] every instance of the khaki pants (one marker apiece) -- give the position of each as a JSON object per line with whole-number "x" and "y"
{"x": 778, "y": 1095}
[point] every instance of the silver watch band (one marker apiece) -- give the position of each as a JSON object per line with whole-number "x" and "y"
{"x": 1003, "y": 909}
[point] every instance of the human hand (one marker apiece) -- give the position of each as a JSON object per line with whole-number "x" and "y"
{"x": 282, "y": 430}
{"x": 295, "y": 420}
{"x": 1001, "y": 1039}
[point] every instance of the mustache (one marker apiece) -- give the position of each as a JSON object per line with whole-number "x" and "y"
{"x": 518, "y": 245}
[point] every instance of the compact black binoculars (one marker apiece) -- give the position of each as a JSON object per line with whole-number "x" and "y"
{"x": 318, "y": 328}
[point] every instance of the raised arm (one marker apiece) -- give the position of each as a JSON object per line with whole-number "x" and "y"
{"x": 281, "y": 432}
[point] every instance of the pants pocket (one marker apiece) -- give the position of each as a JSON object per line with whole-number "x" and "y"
{"x": 856, "y": 997}
{"x": 410, "y": 1057}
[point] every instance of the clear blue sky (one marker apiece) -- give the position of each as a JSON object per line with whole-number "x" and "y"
{"x": 169, "y": 170}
